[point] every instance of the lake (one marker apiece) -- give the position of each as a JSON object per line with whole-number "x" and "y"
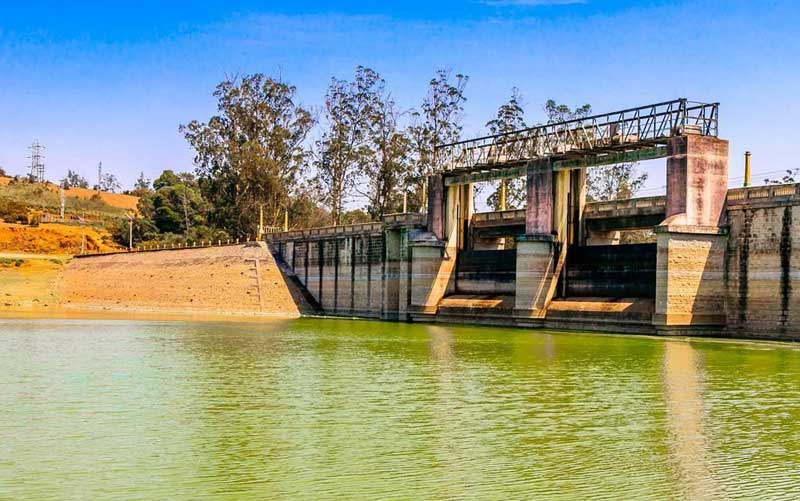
{"x": 341, "y": 409}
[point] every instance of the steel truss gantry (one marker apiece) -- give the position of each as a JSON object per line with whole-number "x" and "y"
{"x": 628, "y": 135}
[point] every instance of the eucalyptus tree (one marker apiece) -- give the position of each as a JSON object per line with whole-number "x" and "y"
{"x": 438, "y": 121}
{"x": 344, "y": 148}
{"x": 510, "y": 117}
{"x": 385, "y": 167}
{"x": 250, "y": 154}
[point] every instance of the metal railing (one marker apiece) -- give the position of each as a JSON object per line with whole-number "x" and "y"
{"x": 409, "y": 218}
{"x": 619, "y": 130}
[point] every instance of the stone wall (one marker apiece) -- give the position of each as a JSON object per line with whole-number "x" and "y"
{"x": 763, "y": 271}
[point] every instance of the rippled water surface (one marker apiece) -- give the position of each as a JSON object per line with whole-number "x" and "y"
{"x": 315, "y": 409}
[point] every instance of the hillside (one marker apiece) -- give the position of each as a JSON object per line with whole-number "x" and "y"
{"x": 45, "y": 196}
{"x": 88, "y": 214}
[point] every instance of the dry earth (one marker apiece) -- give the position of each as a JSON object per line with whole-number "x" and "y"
{"x": 54, "y": 239}
{"x": 28, "y": 282}
{"x": 217, "y": 280}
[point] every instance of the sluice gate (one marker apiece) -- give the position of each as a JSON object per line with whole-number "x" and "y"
{"x": 612, "y": 271}
{"x": 561, "y": 261}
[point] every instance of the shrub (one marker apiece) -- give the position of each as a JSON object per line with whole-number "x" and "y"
{"x": 13, "y": 211}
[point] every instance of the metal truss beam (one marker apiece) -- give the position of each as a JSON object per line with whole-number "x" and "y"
{"x": 629, "y": 129}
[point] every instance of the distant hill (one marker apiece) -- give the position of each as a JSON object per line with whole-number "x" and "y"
{"x": 116, "y": 200}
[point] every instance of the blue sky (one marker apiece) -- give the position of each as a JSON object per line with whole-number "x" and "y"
{"x": 100, "y": 82}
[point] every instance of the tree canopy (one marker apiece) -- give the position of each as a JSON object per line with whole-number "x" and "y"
{"x": 250, "y": 154}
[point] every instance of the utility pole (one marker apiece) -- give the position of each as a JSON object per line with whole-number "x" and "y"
{"x": 99, "y": 175}
{"x": 63, "y": 200}
{"x": 285, "y": 219}
{"x": 130, "y": 232}
{"x": 37, "y": 165}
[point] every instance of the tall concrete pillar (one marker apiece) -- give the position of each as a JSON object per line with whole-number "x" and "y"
{"x": 536, "y": 269}
{"x": 690, "y": 288}
{"x": 697, "y": 179}
{"x": 578, "y": 202}
{"x": 539, "y": 211}
{"x": 433, "y": 255}
{"x": 436, "y": 195}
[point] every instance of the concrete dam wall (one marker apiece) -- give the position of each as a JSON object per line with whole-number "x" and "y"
{"x": 762, "y": 263}
{"x": 741, "y": 281}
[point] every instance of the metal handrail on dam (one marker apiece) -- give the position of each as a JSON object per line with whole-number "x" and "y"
{"x": 399, "y": 219}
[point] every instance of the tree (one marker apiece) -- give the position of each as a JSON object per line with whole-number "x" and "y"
{"x": 304, "y": 210}
{"x": 385, "y": 166}
{"x": 251, "y": 153}
{"x": 141, "y": 186}
{"x": 74, "y": 180}
{"x": 562, "y": 113}
{"x": 437, "y": 122}
{"x": 510, "y": 117}
{"x": 176, "y": 205}
{"x": 343, "y": 149}
{"x": 610, "y": 182}
{"x": 2, "y": 172}
{"x": 108, "y": 183}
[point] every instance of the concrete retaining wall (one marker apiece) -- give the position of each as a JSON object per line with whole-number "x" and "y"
{"x": 763, "y": 271}
{"x": 362, "y": 275}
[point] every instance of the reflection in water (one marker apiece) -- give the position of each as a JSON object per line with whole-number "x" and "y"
{"x": 324, "y": 409}
{"x": 688, "y": 442}
{"x": 441, "y": 344}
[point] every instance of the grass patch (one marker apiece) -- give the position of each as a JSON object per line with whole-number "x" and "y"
{"x": 47, "y": 198}
{"x": 8, "y": 262}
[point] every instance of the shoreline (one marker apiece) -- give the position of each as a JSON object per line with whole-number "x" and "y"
{"x": 154, "y": 315}
{"x": 177, "y": 316}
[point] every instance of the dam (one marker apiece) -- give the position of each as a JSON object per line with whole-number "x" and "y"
{"x": 722, "y": 262}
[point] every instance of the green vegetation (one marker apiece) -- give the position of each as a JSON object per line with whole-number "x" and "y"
{"x": 173, "y": 211}
{"x": 21, "y": 196}
{"x": 8, "y": 262}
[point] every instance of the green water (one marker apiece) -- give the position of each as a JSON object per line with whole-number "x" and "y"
{"x": 328, "y": 409}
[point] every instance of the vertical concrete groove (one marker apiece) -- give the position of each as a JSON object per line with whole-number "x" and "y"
{"x": 786, "y": 260}
{"x": 335, "y": 275}
{"x": 321, "y": 265}
{"x": 384, "y": 258}
{"x": 744, "y": 255}
{"x": 352, "y": 274}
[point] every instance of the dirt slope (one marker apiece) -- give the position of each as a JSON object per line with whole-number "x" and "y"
{"x": 53, "y": 239}
{"x": 219, "y": 280}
